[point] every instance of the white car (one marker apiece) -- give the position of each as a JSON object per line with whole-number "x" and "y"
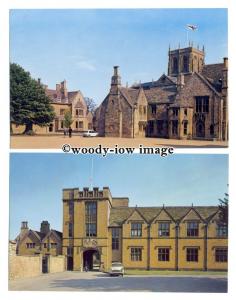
{"x": 90, "y": 133}
{"x": 117, "y": 269}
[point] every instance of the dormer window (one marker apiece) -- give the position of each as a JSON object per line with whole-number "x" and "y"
{"x": 163, "y": 229}
{"x": 222, "y": 230}
{"x": 192, "y": 228}
{"x": 136, "y": 229}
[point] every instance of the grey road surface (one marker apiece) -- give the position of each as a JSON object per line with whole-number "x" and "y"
{"x": 99, "y": 282}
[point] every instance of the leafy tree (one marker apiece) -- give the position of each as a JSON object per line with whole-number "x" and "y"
{"x": 91, "y": 105}
{"x": 224, "y": 209}
{"x": 67, "y": 119}
{"x": 29, "y": 103}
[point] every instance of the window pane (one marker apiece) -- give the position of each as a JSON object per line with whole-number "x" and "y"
{"x": 91, "y": 218}
{"x": 136, "y": 229}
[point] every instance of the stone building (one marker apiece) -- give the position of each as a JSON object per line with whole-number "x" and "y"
{"x": 123, "y": 113}
{"x": 99, "y": 229}
{"x": 62, "y": 101}
{"x": 46, "y": 241}
{"x": 190, "y": 102}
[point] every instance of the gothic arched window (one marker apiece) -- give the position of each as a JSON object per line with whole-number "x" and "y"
{"x": 175, "y": 65}
{"x": 185, "y": 64}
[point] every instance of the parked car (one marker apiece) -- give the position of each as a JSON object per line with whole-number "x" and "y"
{"x": 90, "y": 133}
{"x": 116, "y": 269}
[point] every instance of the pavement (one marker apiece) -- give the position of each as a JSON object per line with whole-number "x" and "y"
{"x": 56, "y": 142}
{"x": 101, "y": 282}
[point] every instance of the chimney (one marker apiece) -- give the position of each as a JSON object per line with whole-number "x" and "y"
{"x": 116, "y": 70}
{"x": 24, "y": 227}
{"x": 64, "y": 90}
{"x": 226, "y": 62}
{"x": 115, "y": 81}
{"x": 45, "y": 227}
{"x": 58, "y": 88}
{"x": 39, "y": 81}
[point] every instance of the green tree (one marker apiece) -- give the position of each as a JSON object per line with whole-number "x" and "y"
{"x": 67, "y": 119}
{"x": 224, "y": 209}
{"x": 29, "y": 103}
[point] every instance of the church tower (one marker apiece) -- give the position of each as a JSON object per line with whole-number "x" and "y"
{"x": 185, "y": 60}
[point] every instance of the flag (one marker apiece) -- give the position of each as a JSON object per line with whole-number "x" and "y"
{"x": 191, "y": 27}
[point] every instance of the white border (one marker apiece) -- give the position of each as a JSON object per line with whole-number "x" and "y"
{"x": 4, "y": 112}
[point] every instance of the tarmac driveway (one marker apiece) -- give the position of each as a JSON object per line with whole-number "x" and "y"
{"x": 99, "y": 282}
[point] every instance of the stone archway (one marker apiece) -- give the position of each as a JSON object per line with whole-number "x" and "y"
{"x": 200, "y": 129}
{"x": 91, "y": 259}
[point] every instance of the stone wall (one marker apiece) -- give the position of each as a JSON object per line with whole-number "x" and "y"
{"x": 56, "y": 264}
{"x": 23, "y": 266}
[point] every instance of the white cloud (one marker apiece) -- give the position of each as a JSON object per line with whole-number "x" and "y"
{"x": 86, "y": 65}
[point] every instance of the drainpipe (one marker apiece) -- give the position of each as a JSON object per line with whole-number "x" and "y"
{"x": 148, "y": 248}
{"x": 133, "y": 120}
{"x": 177, "y": 247}
{"x": 205, "y": 246}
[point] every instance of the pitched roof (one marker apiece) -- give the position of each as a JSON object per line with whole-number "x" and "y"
{"x": 164, "y": 94}
{"x": 164, "y": 80}
{"x": 119, "y": 214}
{"x": 213, "y": 71}
{"x": 130, "y": 94}
{"x": 53, "y": 95}
{"x": 38, "y": 234}
{"x": 58, "y": 233}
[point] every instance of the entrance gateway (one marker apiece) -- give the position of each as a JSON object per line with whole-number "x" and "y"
{"x": 91, "y": 260}
{"x": 90, "y": 256}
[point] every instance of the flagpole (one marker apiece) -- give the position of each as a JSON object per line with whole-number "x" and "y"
{"x": 187, "y": 37}
{"x": 91, "y": 175}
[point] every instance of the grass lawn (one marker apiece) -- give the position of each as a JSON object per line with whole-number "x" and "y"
{"x": 166, "y": 272}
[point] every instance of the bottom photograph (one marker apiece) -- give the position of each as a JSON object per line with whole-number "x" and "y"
{"x": 120, "y": 223}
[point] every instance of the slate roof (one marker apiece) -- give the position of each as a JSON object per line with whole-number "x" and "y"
{"x": 130, "y": 94}
{"x": 52, "y": 94}
{"x": 40, "y": 234}
{"x": 213, "y": 71}
{"x": 119, "y": 214}
{"x": 163, "y": 94}
{"x": 58, "y": 233}
{"x": 164, "y": 80}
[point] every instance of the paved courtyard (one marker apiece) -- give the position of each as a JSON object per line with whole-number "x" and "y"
{"x": 99, "y": 282}
{"x": 56, "y": 142}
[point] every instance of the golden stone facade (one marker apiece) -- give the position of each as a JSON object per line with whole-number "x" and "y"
{"x": 32, "y": 242}
{"x": 99, "y": 229}
{"x": 62, "y": 101}
{"x": 190, "y": 102}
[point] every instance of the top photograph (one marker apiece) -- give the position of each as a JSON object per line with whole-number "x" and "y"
{"x": 118, "y": 77}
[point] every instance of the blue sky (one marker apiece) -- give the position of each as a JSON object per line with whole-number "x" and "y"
{"x": 37, "y": 180}
{"x": 82, "y": 46}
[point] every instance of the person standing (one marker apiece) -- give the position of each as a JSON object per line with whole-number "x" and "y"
{"x": 70, "y": 132}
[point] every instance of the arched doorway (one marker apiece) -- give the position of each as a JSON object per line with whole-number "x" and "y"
{"x": 91, "y": 260}
{"x": 51, "y": 127}
{"x": 200, "y": 129}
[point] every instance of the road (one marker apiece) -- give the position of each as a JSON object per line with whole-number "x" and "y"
{"x": 56, "y": 142}
{"x": 99, "y": 282}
